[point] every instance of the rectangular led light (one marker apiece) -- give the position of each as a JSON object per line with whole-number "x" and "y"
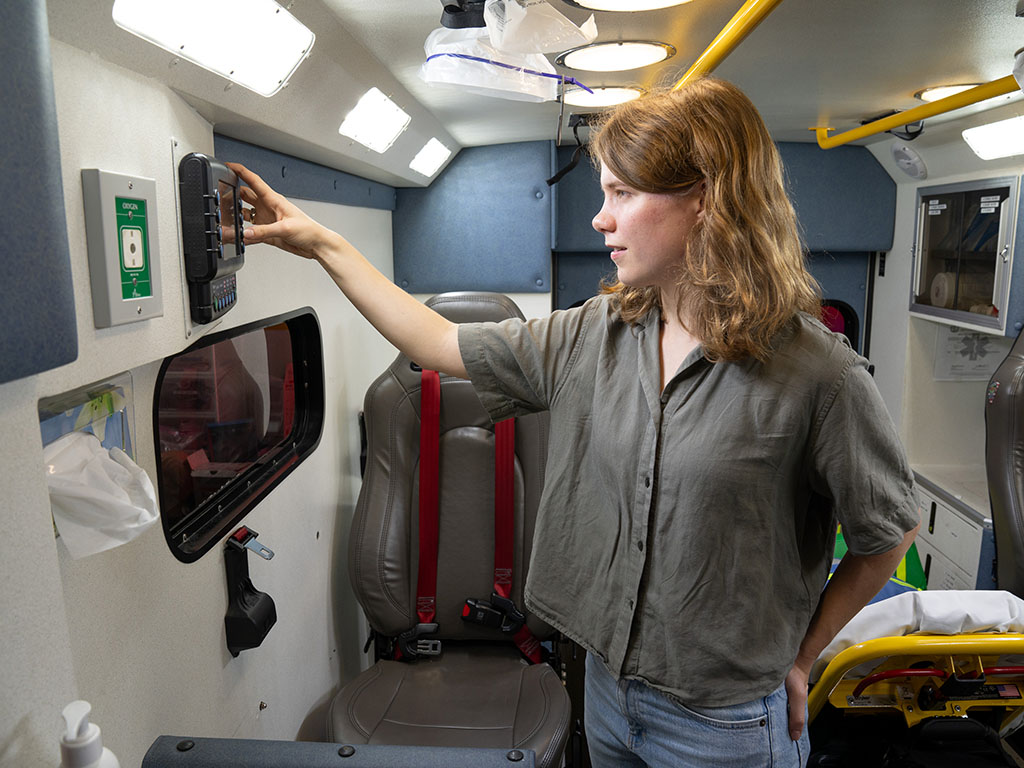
{"x": 994, "y": 140}
{"x": 255, "y": 43}
{"x": 430, "y": 158}
{"x": 375, "y": 121}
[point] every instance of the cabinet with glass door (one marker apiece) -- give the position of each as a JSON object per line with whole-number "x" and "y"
{"x": 963, "y": 253}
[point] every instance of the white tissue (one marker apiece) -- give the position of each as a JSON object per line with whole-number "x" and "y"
{"x": 99, "y": 499}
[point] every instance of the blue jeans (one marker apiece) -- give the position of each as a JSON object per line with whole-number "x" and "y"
{"x": 630, "y": 723}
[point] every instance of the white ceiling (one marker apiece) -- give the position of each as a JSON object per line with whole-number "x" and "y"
{"x": 810, "y": 62}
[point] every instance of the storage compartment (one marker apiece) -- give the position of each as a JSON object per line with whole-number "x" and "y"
{"x": 963, "y": 252}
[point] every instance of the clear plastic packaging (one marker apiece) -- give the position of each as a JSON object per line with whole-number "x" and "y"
{"x": 533, "y": 26}
{"x": 465, "y": 59}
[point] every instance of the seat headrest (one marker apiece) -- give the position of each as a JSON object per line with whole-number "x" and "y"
{"x": 474, "y": 306}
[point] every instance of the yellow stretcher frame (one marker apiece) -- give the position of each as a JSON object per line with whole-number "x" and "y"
{"x": 962, "y": 654}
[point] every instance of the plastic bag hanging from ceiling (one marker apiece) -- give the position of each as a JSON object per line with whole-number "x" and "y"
{"x": 533, "y": 26}
{"x": 466, "y": 59}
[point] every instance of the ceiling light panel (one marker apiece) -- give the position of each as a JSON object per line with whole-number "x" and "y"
{"x": 430, "y": 158}
{"x": 375, "y": 122}
{"x": 616, "y": 56}
{"x": 994, "y": 140}
{"x": 602, "y": 96}
{"x": 255, "y": 43}
{"x": 942, "y": 91}
{"x": 625, "y": 5}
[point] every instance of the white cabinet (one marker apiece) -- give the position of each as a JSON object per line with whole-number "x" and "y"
{"x": 954, "y": 543}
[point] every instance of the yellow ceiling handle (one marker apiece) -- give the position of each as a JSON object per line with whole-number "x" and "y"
{"x": 998, "y": 87}
{"x": 742, "y": 24}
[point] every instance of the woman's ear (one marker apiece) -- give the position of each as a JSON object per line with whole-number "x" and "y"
{"x": 702, "y": 191}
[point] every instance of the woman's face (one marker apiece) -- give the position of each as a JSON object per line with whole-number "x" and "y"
{"x": 646, "y": 231}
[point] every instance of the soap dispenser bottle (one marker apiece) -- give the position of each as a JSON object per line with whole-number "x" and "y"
{"x": 80, "y": 744}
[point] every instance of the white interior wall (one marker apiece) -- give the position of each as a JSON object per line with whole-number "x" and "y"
{"x": 133, "y": 630}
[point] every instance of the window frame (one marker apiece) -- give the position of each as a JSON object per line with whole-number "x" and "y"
{"x": 205, "y": 525}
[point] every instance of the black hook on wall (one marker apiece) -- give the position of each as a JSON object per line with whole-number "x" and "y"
{"x": 251, "y": 613}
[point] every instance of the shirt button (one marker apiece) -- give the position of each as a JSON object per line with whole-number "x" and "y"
{"x": 640, "y": 546}
{"x": 630, "y": 604}
{"x": 647, "y": 482}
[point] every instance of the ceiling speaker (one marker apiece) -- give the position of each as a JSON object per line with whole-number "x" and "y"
{"x": 909, "y": 161}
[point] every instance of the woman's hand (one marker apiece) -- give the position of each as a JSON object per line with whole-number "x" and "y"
{"x": 277, "y": 221}
{"x": 796, "y": 692}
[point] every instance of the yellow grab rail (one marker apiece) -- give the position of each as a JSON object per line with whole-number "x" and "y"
{"x": 998, "y": 87}
{"x": 742, "y": 24}
{"x": 905, "y": 645}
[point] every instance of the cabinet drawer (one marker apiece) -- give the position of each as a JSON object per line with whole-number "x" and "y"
{"x": 942, "y": 572}
{"x": 950, "y": 533}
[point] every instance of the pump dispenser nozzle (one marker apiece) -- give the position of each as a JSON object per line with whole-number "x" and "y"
{"x": 81, "y": 745}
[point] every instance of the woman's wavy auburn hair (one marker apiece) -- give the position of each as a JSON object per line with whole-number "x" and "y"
{"x": 743, "y": 276}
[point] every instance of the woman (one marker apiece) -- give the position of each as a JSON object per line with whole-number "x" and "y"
{"x": 704, "y": 426}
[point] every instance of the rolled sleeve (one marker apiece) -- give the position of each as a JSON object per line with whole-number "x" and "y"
{"x": 859, "y": 462}
{"x": 517, "y": 367}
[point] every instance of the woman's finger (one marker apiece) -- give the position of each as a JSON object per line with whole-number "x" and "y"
{"x": 247, "y": 195}
{"x": 259, "y": 186}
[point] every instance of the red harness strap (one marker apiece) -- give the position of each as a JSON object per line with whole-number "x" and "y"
{"x": 504, "y": 527}
{"x": 412, "y": 643}
{"x": 430, "y": 437}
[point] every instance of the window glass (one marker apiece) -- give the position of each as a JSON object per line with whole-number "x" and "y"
{"x": 226, "y": 411}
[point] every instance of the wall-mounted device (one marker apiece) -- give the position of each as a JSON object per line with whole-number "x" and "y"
{"x": 124, "y": 257}
{"x": 211, "y": 234}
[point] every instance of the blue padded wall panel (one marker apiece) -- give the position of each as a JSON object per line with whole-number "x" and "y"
{"x": 37, "y": 301}
{"x": 302, "y": 179}
{"x": 484, "y": 224}
{"x": 578, "y": 199}
{"x": 578, "y": 276}
{"x": 844, "y": 200}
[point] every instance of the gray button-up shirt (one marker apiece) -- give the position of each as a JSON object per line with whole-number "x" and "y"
{"x": 685, "y": 536}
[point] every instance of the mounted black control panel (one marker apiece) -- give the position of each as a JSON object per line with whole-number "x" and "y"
{"x": 211, "y": 233}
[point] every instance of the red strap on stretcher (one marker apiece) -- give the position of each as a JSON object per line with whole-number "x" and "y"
{"x": 430, "y": 444}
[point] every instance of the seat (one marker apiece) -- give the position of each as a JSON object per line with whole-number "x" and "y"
{"x": 942, "y": 671}
{"x": 480, "y": 691}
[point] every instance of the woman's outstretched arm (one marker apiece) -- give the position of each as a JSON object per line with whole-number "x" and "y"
{"x": 419, "y": 332}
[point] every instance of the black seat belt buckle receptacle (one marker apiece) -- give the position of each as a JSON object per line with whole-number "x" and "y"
{"x": 411, "y": 643}
{"x": 498, "y": 613}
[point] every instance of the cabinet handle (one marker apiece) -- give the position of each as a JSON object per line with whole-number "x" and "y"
{"x": 999, "y": 277}
{"x": 927, "y": 568}
{"x": 917, "y": 254}
{"x": 931, "y": 520}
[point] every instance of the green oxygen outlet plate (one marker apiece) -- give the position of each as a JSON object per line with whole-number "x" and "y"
{"x": 122, "y": 236}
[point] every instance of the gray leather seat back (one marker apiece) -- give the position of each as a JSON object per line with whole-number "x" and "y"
{"x": 384, "y": 541}
{"x": 1004, "y": 462}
